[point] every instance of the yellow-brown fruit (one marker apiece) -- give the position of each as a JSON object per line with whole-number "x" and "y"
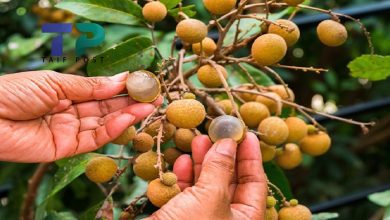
{"x": 248, "y": 97}
{"x": 154, "y": 11}
{"x": 225, "y": 105}
{"x": 271, "y": 214}
{"x": 191, "y": 31}
{"x": 268, "y": 152}
{"x": 144, "y": 166}
{"x": 189, "y": 95}
{"x": 316, "y": 144}
{"x": 159, "y": 194}
{"x": 289, "y": 157}
{"x": 273, "y": 131}
{"x": 288, "y": 30}
{"x": 171, "y": 154}
{"x": 227, "y": 126}
{"x": 186, "y": 113}
{"x": 209, "y": 76}
{"x": 269, "y": 49}
{"x": 183, "y": 139}
{"x": 297, "y": 129}
{"x": 253, "y": 113}
{"x": 168, "y": 130}
{"x": 125, "y": 216}
{"x": 287, "y": 95}
{"x": 271, "y": 201}
{"x": 271, "y": 104}
{"x": 143, "y": 142}
{"x": 101, "y": 169}
{"x": 294, "y": 213}
{"x": 169, "y": 179}
{"x": 331, "y": 33}
{"x": 143, "y": 86}
{"x": 219, "y": 7}
{"x": 208, "y": 47}
{"x": 293, "y": 2}
{"x": 57, "y": 16}
{"x": 127, "y": 136}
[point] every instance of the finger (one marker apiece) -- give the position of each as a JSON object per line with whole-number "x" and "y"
{"x": 61, "y": 106}
{"x": 184, "y": 171}
{"x": 200, "y": 146}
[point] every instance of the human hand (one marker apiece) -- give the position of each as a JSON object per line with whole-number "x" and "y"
{"x": 229, "y": 182}
{"x": 46, "y": 116}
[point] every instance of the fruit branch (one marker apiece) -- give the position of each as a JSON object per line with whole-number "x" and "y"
{"x": 158, "y": 151}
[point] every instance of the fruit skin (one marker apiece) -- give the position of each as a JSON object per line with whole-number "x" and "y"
{"x": 171, "y": 154}
{"x": 126, "y": 136}
{"x": 332, "y": 33}
{"x": 209, "y": 76}
{"x": 271, "y": 214}
{"x": 290, "y": 157}
{"x": 143, "y": 142}
{"x": 297, "y": 129}
{"x": 183, "y": 139}
{"x": 287, "y": 95}
{"x": 292, "y": 37}
{"x": 219, "y": 7}
{"x": 253, "y": 113}
{"x": 293, "y": 2}
{"x": 227, "y": 126}
{"x": 269, "y": 49}
{"x": 316, "y": 144}
{"x": 270, "y": 103}
{"x": 225, "y": 105}
{"x": 208, "y": 47}
{"x": 273, "y": 131}
{"x": 154, "y": 11}
{"x": 294, "y": 213}
{"x": 168, "y": 130}
{"x": 186, "y": 113}
{"x": 159, "y": 194}
{"x": 268, "y": 152}
{"x": 169, "y": 179}
{"x": 101, "y": 169}
{"x": 191, "y": 31}
{"x": 144, "y": 166}
{"x": 150, "y": 89}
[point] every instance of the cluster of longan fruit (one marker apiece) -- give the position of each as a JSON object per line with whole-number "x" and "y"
{"x": 291, "y": 210}
{"x": 51, "y": 15}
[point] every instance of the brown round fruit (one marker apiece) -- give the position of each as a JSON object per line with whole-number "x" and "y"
{"x": 293, "y": 2}
{"x": 268, "y": 152}
{"x": 331, "y": 33}
{"x": 144, "y": 166}
{"x": 271, "y": 214}
{"x": 269, "y": 49}
{"x": 287, "y": 29}
{"x": 225, "y": 105}
{"x": 287, "y": 95}
{"x": 273, "y": 131}
{"x": 289, "y": 157}
{"x": 209, "y": 76}
{"x": 186, "y": 113}
{"x": 271, "y": 104}
{"x": 316, "y": 144}
{"x": 159, "y": 194}
{"x": 171, "y": 154}
{"x": 127, "y": 136}
{"x": 295, "y": 212}
{"x": 101, "y": 169}
{"x": 253, "y": 113}
{"x": 168, "y": 130}
{"x": 248, "y": 97}
{"x": 297, "y": 129}
{"x": 227, "y": 126}
{"x": 183, "y": 139}
{"x": 154, "y": 11}
{"x": 208, "y": 47}
{"x": 219, "y": 7}
{"x": 143, "y": 142}
{"x": 150, "y": 89}
{"x": 191, "y": 31}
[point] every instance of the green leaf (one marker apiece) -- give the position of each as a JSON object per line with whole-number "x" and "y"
{"x": 18, "y": 46}
{"x": 371, "y": 67}
{"x": 387, "y": 213}
{"x": 188, "y": 10}
{"x": 237, "y": 76}
{"x": 91, "y": 212}
{"x": 325, "y": 216}
{"x": 276, "y": 176}
{"x": 381, "y": 198}
{"x": 118, "y": 11}
{"x": 133, "y": 54}
{"x": 170, "y": 3}
{"x": 60, "y": 216}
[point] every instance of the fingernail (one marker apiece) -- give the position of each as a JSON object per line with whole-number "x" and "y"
{"x": 226, "y": 147}
{"x": 119, "y": 77}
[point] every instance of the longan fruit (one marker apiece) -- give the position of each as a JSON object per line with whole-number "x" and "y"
{"x": 191, "y": 31}
{"x": 331, "y": 33}
{"x": 271, "y": 104}
{"x": 271, "y": 201}
{"x": 294, "y": 212}
{"x": 316, "y": 144}
{"x": 297, "y": 129}
{"x": 154, "y": 11}
{"x": 127, "y": 136}
{"x": 269, "y": 49}
{"x": 101, "y": 169}
{"x": 144, "y": 166}
{"x": 183, "y": 139}
{"x": 268, "y": 152}
{"x": 189, "y": 95}
{"x": 159, "y": 194}
{"x": 143, "y": 142}
{"x": 186, "y": 113}
{"x": 227, "y": 126}
{"x": 209, "y": 76}
{"x": 208, "y": 47}
{"x": 253, "y": 113}
{"x": 289, "y": 157}
{"x": 125, "y": 216}
{"x": 169, "y": 179}
{"x": 290, "y": 35}
{"x": 219, "y": 7}
{"x": 271, "y": 214}
{"x": 168, "y": 130}
{"x": 225, "y": 105}
{"x": 273, "y": 131}
{"x": 293, "y": 2}
{"x": 287, "y": 95}
{"x": 57, "y": 16}
{"x": 143, "y": 86}
{"x": 248, "y": 97}
{"x": 171, "y": 154}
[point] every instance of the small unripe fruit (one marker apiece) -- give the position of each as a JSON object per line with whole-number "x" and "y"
{"x": 144, "y": 166}
{"x": 331, "y": 33}
{"x": 171, "y": 154}
{"x": 316, "y": 144}
{"x": 168, "y": 130}
{"x": 295, "y": 212}
{"x": 169, "y": 179}
{"x": 293, "y": 2}
{"x": 288, "y": 30}
{"x": 287, "y": 95}
{"x": 189, "y": 95}
{"x": 253, "y": 113}
{"x": 127, "y": 136}
{"x": 268, "y": 152}
{"x": 294, "y": 202}
{"x": 227, "y": 126}
{"x": 186, "y": 113}
{"x": 143, "y": 142}
{"x": 208, "y": 47}
{"x": 273, "y": 131}
{"x": 269, "y": 49}
{"x": 101, "y": 169}
{"x": 154, "y": 11}
{"x": 125, "y": 216}
{"x": 290, "y": 157}
{"x": 297, "y": 129}
{"x": 209, "y": 76}
{"x": 219, "y": 7}
{"x": 271, "y": 214}
{"x": 271, "y": 104}
{"x": 225, "y": 105}
{"x": 143, "y": 86}
{"x": 183, "y": 139}
{"x": 191, "y": 31}
{"x": 159, "y": 194}
{"x": 271, "y": 201}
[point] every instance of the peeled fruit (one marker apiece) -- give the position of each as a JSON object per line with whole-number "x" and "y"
{"x": 253, "y": 113}
{"x": 331, "y": 33}
{"x": 208, "y": 47}
{"x": 271, "y": 104}
{"x": 289, "y": 157}
{"x": 154, "y": 11}
{"x": 186, "y": 113}
{"x": 316, "y": 144}
{"x": 159, "y": 194}
{"x": 271, "y": 214}
{"x": 288, "y": 30}
{"x": 219, "y": 7}
{"x": 209, "y": 76}
{"x": 273, "y": 131}
{"x": 127, "y": 136}
{"x": 101, "y": 169}
{"x": 171, "y": 154}
{"x": 269, "y": 49}
{"x": 144, "y": 166}
{"x": 225, "y": 105}
{"x": 143, "y": 86}
{"x": 227, "y": 126}
{"x": 294, "y": 212}
{"x": 285, "y": 94}
{"x": 169, "y": 179}
{"x": 168, "y": 130}
{"x": 191, "y": 31}
{"x": 268, "y": 152}
{"x": 293, "y": 2}
{"x": 143, "y": 142}
{"x": 297, "y": 129}
{"x": 183, "y": 139}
